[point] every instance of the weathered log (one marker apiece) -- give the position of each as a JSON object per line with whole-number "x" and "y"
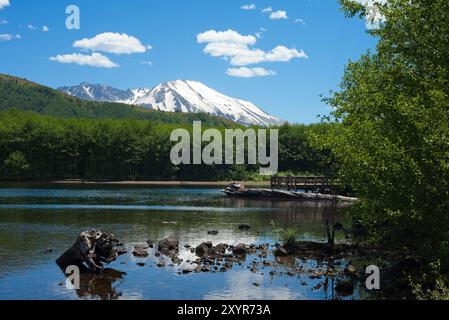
{"x": 91, "y": 250}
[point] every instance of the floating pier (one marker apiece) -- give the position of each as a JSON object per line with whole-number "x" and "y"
{"x": 307, "y": 188}
{"x": 272, "y": 194}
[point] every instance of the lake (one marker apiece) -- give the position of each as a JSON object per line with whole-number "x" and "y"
{"x": 37, "y": 218}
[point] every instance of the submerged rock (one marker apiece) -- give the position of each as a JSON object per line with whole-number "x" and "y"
{"x": 244, "y": 226}
{"x": 140, "y": 252}
{"x": 212, "y": 232}
{"x": 150, "y": 243}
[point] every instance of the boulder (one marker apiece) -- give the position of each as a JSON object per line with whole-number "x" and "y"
{"x": 140, "y": 252}
{"x": 142, "y": 246}
{"x": 221, "y": 248}
{"x": 240, "y": 249}
{"x": 203, "y": 249}
{"x": 169, "y": 246}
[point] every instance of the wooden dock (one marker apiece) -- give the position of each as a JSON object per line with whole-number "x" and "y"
{"x": 308, "y": 183}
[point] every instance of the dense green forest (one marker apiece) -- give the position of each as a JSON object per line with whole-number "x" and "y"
{"x": 35, "y": 147}
{"x": 21, "y": 94}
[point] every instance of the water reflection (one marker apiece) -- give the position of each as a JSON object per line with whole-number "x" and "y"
{"x": 101, "y": 286}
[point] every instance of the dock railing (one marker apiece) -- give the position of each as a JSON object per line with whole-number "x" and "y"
{"x": 307, "y": 183}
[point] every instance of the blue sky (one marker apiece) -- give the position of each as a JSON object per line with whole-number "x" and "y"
{"x": 315, "y": 39}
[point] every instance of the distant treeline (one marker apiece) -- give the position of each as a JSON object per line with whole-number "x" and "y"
{"x": 36, "y": 147}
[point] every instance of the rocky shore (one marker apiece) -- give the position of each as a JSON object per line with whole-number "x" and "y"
{"x": 342, "y": 266}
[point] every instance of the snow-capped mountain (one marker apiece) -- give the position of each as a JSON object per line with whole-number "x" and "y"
{"x": 178, "y": 96}
{"x": 97, "y": 92}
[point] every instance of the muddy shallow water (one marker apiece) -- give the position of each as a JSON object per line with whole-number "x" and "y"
{"x": 35, "y": 219}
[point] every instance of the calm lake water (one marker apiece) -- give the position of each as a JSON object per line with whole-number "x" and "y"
{"x": 34, "y": 219}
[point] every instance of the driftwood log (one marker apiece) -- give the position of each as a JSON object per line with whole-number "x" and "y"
{"x": 284, "y": 195}
{"x": 91, "y": 250}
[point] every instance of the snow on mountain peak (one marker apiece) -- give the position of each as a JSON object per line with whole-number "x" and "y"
{"x": 179, "y": 96}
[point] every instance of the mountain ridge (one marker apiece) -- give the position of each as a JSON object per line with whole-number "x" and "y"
{"x": 25, "y": 95}
{"x": 186, "y": 96}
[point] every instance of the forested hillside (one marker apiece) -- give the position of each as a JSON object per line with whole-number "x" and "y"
{"x": 21, "y": 94}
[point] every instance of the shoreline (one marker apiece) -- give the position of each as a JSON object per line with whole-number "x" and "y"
{"x": 136, "y": 183}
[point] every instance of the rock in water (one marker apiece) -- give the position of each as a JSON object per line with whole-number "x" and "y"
{"x": 203, "y": 249}
{"x": 244, "y": 227}
{"x": 150, "y": 243}
{"x": 240, "y": 249}
{"x": 91, "y": 250}
{"x": 280, "y": 251}
{"x": 140, "y": 252}
{"x": 221, "y": 248}
{"x": 169, "y": 246}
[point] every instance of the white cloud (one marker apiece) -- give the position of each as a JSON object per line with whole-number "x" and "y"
{"x": 3, "y": 4}
{"x": 148, "y": 63}
{"x": 267, "y": 9}
{"x": 278, "y": 15}
{"x": 112, "y": 43}
{"x": 9, "y": 37}
{"x": 301, "y": 21}
{"x": 2, "y": 21}
{"x": 244, "y": 72}
{"x": 31, "y": 27}
{"x": 45, "y": 29}
{"x": 237, "y": 49}
{"x": 94, "y": 60}
{"x": 229, "y": 36}
{"x": 249, "y": 7}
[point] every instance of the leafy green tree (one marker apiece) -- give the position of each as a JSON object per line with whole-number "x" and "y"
{"x": 16, "y": 166}
{"x": 393, "y": 143}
